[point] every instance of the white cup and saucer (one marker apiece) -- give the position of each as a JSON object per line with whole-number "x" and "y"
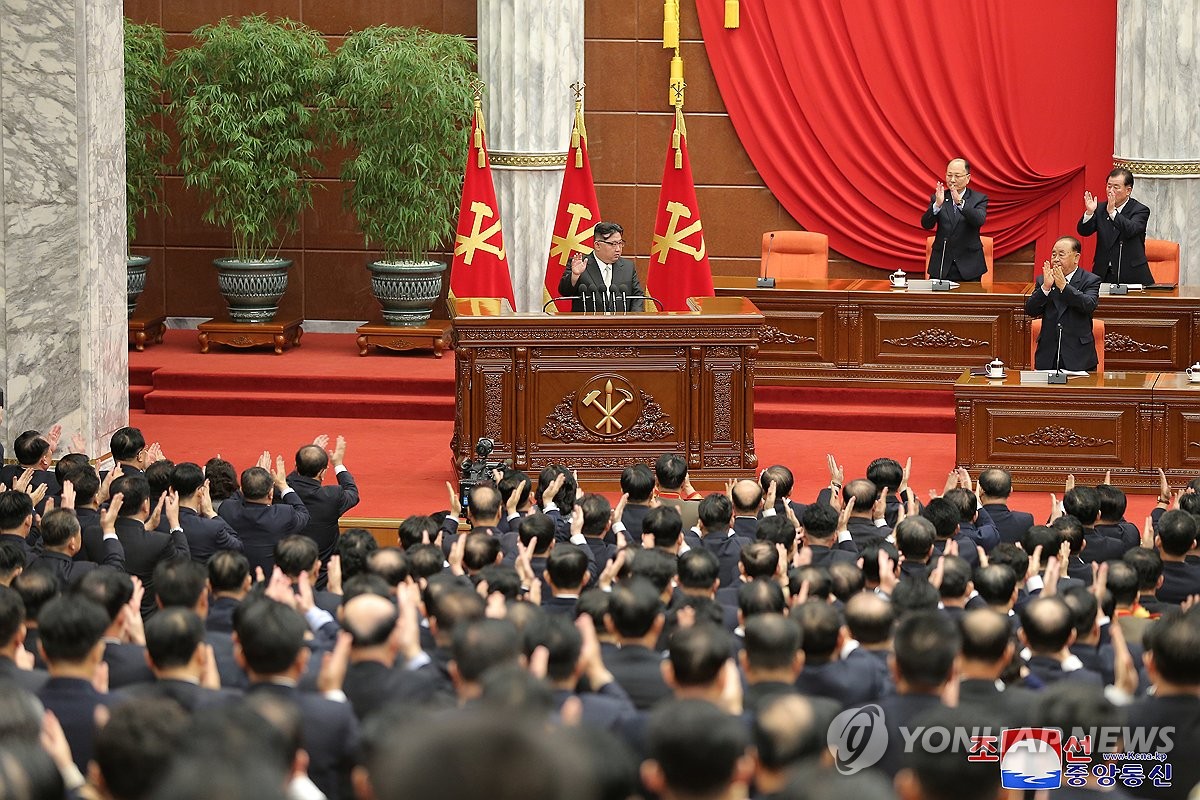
{"x": 996, "y": 371}
{"x": 1193, "y": 373}
{"x": 898, "y": 279}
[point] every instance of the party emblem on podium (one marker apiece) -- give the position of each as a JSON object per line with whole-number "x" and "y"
{"x": 608, "y": 405}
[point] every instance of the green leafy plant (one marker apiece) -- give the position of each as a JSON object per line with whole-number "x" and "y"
{"x": 145, "y": 141}
{"x": 404, "y": 99}
{"x": 245, "y": 100}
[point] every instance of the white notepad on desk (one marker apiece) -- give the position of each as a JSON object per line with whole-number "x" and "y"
{"x": 925, "y": 285}
{"x": 1040, "y": 375}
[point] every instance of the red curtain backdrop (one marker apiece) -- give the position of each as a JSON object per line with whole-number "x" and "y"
{"x": 850, "y": 110}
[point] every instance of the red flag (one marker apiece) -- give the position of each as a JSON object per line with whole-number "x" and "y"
{"x": 480, "y": 267}
{"x": 578, "y": 212}
{"x": 678, "y": 259}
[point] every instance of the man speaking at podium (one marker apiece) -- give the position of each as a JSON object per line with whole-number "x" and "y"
{"x": 601, "y": 281}
{"x": 957, "y": 253}
{"x": 1065, "y": 296}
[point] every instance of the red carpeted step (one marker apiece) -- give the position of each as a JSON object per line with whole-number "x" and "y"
{"x": 300, "y": 404}
{"x": 856, "y": 416}
{"x": 137, "y": 395}
{"x": 282, "y": 383}
{"x": 141, "y": 375}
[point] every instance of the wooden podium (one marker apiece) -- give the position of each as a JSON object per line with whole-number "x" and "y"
{"x": 597, "y": 392}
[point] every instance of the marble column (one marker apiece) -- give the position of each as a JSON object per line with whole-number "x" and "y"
{"x": 1158, "y": 118}
{"x": 63, "y": 330}
{"x": 530, "y": 52}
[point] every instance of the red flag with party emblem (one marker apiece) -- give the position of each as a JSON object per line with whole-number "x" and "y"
{"x": 678, "y": 258}
{"x": 480, "y": 266}
{"x": 578, "y": 213}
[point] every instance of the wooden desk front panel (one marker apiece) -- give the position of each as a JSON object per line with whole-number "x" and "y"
{"x": 1177, "y": 433}
{"x": 1148, "y": 333}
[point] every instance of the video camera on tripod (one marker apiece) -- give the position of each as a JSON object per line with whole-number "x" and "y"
{"x": 477, "y": 471}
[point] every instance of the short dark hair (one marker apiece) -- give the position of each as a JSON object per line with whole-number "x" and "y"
{"x": 257, "y": 483}
{"x": 914, "y": 594}
{"x": 715, "y": 511}
{"x": 502, "y": 579}
{"x": 565, "y": 499}
{"x": 562, "y": 641}
{"x": 965, "y": 501}
{"x": 187, "y": 479}
{"x": 605, "y": 229}
{"x": 915, "y": 537}
{"x": 1176, "y": 649}
{"x": 29, "y": 447}
{"x": 413, "y": 529}
{"x": 221, "y": 477}
{"x": 869, "y": 618}
{"x": 777, "y": 529}
{"x": 995, "y": 583}
{"x": 819, "y": 521}
{"x": 633, "y": 606}
{"x": 424, "y": 560}
{"x": 510, "y": 481}
{"x": 270, "y": 635}
{"x": 956, "y": 576}
{"x": 126, "y": 443}
{"x": 944, "y": 515}
{"x": 172, "y": 636}
{"x": 310, "y": 460}
{"x": 295, "y": 554}
{"x": 1112, "y": 502}
{"x": 567, "y": 566}
{"x": 946, "y": 774}
{"x": 58, "y": 526}
{"x": 536, "y": 529}
{"x": 69, "y": 627}
{"x": 820, "y": 625}
{"x": 1123, "y": 174}
{"x": 664, "y": 524}
{"x": 995, "y": 482}
{"x": 353, "y": 547}
{"x": 670, "y": 471}
{"x": 637, "y": 481}
{"x": 70, "y": 465}
{"x": 1048, "y": 538}
{"x": 760, "y": 597}
{"x": 781, "y": 476}
{"x": 1082, "y": 502}
{"x": 180, "y": 582}
{"x": 36, "y": 587}
{"x": 759, "y": 560}
{"x": 1122, "y": 582}
{"x": 1070, "y": 530}
{"x": 15, "y": 508}
{"x": 12, "y": 614}
{"x": 108, "y": 587}
{"x": 771, "y": 641}
{"x": 228, "y": 570}
{"x": 453, "y": 606}
{"x": 137, "y": 746}
{"x": 925, "y": 646}
{"x": 134, "y": 490}
{"x": 698, "y": 569}
{"x": 481, "y": 549}
{"x": 696, "y": 745}
{"x": 699, "y": 653}
{"x": 597, "y": 513}
{"x": 1083, "y": 605}
{"x": 1046, "y": 622}
{"x": 481, "y": 644}
{"x": 159, "y": 475}
{"x": 86, "y": 483}
{"x": 886, "y": 473}
{"x": 845, "y": 579}
{"x": 1010, "y": 555}
{"x": 1147, "y": 563}
{"x": 1177, "y": 532}
{"x": 656, "y": 566}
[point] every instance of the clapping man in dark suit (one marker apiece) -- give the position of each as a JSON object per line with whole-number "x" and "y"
{"x": 603, "y": 281}
{"x": 62, "y": 540}
{"x": 995, "y": 486}
{"x": 325, "y": 504}
{"x": 16, "y": 664}
{"x": 260, "y": 522}
{"x": 34, "y": 452}
{"x": 1065, "y": 297}
{"x": 1120, "y": 228}
{"x": 193, "y": 512}
{"x": 144, "y": 547}
{"x": 957, "y": 253}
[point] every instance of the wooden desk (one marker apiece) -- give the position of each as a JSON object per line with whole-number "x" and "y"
{"x": 1176, "y": 426}
{"x": 864, "y": 333}
{"x": 601, "y": 392}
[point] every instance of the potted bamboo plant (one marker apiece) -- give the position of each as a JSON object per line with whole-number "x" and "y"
{"x": 245, "y": 100}
{"x": 145, "y": 141}
{"x": 403, "y": 100}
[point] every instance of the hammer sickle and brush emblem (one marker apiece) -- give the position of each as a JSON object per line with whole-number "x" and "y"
{"x": 608, "y": 409}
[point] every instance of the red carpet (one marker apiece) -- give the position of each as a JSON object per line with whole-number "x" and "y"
{"x": 396, "y": 411}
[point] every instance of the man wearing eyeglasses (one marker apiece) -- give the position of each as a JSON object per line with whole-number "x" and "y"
{"x": 957, "y": 215}
{"x": 603, "y": 281}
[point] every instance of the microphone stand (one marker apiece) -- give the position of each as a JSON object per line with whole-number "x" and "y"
{"x": 763, "y": 281}
{"x": 1118, "y": 287}
{"x": 941, "y": 284}
{"x": 1058, "y": 376}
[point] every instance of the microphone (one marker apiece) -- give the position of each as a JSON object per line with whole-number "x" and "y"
{"x": 1118, "y": 287}
{"x": 1058, "y": 376}
{"x": 940, "y": 284}
{"x": 583, "y": 297}
{"x": 763, "y": 281}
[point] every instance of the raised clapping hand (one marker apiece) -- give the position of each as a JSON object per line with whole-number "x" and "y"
{"x": 939, "y": 194}
{"x": 578, "y": 265}
{"x": 1089, "y": 202}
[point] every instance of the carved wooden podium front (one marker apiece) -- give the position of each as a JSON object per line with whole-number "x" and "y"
{"x": 597, "y": 393}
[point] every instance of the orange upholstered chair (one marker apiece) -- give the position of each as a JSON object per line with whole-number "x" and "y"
{"x": 988, "y": 247}
{"x": 796, "y": 254}
{"x": 1097, "y": 334}
{"x": 1163, "y": 257}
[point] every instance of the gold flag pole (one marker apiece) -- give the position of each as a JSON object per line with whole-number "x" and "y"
{"x": 477, "y": 90}
{"x": 680, "y": 128}
{"x": 578, "y": 131}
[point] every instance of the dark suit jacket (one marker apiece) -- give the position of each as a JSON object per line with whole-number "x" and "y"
{"x": 329, "y": 732}
{"x": 1049, "y": 671}
{"x": 189, "y": 696}
{"x": 206, "y": 535}
{"x": 633, "y": 518}
{"x": 31, "y": 680}
{"x": 849, "y": 683}
{"x": 1180, "y": 580}
{"x": 957, "y": 233}
{"x": 1012, "y": 525}
{"x": 92, "y": 548}
{"x": 1100, "y": 547}
{"x": 11, "y": 472}
{"x": 1124, "y": 532}
{"x": 727, "y": 547}
{"x": 145, "y": 550}
{"x": 326, "y": 505}
{"x": 1122, "y": 240}
{"x": 220, "y": 614}
{"x": 74, "y": 702}
{"x": 901, "y": 711}
{"x": 1181, "y": 712}
{"x": 639, "y": 671}
{"x": 126, "y": 665}
{"x": 609, "y": 708}
{"x": 371, "y": 685}
{"x": 1012, "y": 705}
{"x": 591, "y": 285}
{"x": 68, "y": 571}
{"x": 1073, "y": 308}
{"x": 261, "y": 526}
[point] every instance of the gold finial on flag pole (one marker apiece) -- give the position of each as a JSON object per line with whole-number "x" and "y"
{"x": 680, "y": 130}
{"x": 477, "y": 87}
{"x": 670, "y": 24}
{"x": 732, "y": 14}
{"x": 578, "y": 131}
